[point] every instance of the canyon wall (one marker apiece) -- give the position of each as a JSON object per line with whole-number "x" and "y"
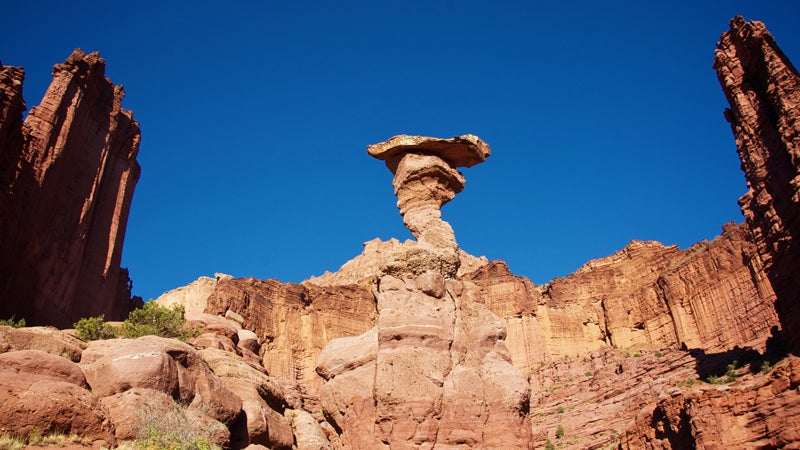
{"x": 68, "y": 175}
{"x": 713, "y": 296}
{"x": 763, "y": 89}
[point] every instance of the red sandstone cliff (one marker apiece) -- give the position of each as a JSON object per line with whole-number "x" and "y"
{"x": 68, "y": 175}
{"x": 763, "y": 89}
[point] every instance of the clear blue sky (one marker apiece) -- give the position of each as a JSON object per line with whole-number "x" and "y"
{"x": 604, "y": 119}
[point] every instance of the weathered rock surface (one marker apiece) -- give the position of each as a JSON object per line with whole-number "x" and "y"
{"x": 46, "y": 339}
{"x": 755, "y": 412}
{"x": 425, "y": 178}
{"x": 367, "y": 267}
{"x": 193, "y": 296}
{"x": 68, "y": 176}
{"x": 434, "y": 372}
{"x": 763, "y": 89}
{"x": 293, "y": 321}
{"x": 713, "y": 296}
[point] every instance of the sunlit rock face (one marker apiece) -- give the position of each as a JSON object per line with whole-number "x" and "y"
{"x": 67, "y": 176}
{"x": 763, "y": 89}
{"x": 425, "y": 178}
{"x": 435, "y": 370}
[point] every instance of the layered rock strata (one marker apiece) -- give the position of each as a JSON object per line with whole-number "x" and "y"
{"x": 713, "y": 296}
{"x": 763, "y": 89}
{"x": 756, "y": 412}
{"x": 68, "y": 175}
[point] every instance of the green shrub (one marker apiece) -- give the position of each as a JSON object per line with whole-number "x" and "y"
{"x": 94, "y": 328}
{"x": 12, "y": 323}
{"x": 549, "y": 445}
{"x": 560, "y": 410}
{"x": 150, "y": 319}
{"x": 659, "y": 354}
{"x": 559, "y": 432}
{"x": 153, "y": 319}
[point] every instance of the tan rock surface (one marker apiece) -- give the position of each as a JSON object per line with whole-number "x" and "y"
{"x": 460, "y": 151}
{"x": 368, "y": 266}
{"x": 193, "y": 296}
{"x": 294, "y": 322}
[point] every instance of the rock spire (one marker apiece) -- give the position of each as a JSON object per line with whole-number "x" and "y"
{"x": 67, "y": 176}
{"x": 763, "y": 89}
{"x": 425, "y": 178}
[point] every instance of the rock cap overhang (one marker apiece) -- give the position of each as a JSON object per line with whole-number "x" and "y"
{"x": 460, "y": 151}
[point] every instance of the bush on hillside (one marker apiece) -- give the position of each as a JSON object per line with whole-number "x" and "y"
{"x": 157, "y": 320}
{"x": 150, "y": 319}
{"x": 94, "y": 328}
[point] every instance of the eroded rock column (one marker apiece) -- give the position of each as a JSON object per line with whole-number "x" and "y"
{"x": 434, "y": 372}
{"x": 763, "y": 89}
{"x": 425, "y": 178}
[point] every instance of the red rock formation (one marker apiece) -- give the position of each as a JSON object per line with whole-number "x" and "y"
{"x": 294, "y": 321}
{"x": 11, "y": 107}
{"x": 763, "y": 89}
{"x": 713, "y": 296}
{"x": 67, "y": 189}
{"x": 757, "y": 412}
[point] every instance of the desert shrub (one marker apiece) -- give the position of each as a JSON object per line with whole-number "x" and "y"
{"x": 94, "y": 328}
{"x": 169, "y": 427}
{"x": 12, "y": 323}
{"x": 549, "y": 445}
{"x": 157, "y": 320}
{"x": 559, "y": 432}
{"x": 659, "y": 354}
{"x": 35, "y": 437}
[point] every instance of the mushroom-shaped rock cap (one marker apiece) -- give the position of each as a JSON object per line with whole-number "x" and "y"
{"x": 460, "y": 151}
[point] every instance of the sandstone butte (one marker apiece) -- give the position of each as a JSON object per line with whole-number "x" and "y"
{"x": 67, "y": 175}
{"x": 418, "y": 344}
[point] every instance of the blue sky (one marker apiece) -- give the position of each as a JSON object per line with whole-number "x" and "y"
{"x": 604, "y": 118}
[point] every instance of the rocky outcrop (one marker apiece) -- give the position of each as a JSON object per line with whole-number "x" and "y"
{"x": 425, "y": 178}
{"x": 763, "y": 89}
{"x": 68, "y": 186}
{"x": 713, "y": 296}
{"x": 756, "y": 412}
{"x": 434, "y": 372}
{"x": 367, "y": 267}
{"x": 293, "y": 321}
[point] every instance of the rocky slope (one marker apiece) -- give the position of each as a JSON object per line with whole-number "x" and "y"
{"x": 67, "y": 175}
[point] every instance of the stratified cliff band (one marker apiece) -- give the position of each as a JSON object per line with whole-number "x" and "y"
{"x": 67, "y": 176}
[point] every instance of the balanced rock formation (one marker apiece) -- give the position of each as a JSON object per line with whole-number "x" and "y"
{"x": 425, "y": 178}
{"x": 763, "y": 89}
{"x": 67, "y": 176}
{"x": 434, "y": 372}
